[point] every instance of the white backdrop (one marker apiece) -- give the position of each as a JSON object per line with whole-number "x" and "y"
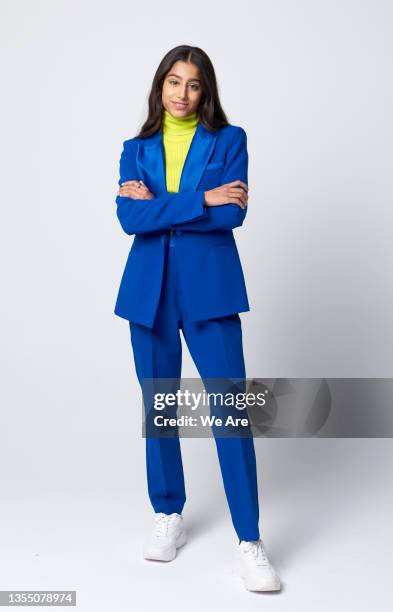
{"x": 310, "y": 82}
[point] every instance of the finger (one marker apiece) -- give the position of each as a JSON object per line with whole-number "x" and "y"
{"x": 239, "y": 193}
{"x": 243, "y": 202}
{"x": 133, "y": 193}
{"x": 235, "y": 200}
{"x": 136, "y": 194}
{"x": 240, "y": 183}
{"x": 134, "y": 183}
{"x": 133, "y": 187}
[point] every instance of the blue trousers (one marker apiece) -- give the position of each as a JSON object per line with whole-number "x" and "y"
{"x": 216, "y": 348}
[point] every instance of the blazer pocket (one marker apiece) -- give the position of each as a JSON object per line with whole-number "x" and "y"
{"x": 213, "y": 165}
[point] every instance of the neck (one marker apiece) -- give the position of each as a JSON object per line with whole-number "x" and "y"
{"x": 179, "y": 125}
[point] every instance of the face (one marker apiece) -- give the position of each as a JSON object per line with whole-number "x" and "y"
{"x": 181, "y": 90}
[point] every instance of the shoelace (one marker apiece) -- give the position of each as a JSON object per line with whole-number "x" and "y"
{"x": 258, "y": 552}
{"x": 162, "y": 523}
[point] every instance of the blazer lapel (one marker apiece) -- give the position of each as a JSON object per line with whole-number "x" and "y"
{"x": 199, "y": 153}
{"x": 151, "y": 161}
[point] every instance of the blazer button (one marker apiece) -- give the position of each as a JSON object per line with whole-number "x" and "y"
{"x": 179, "y": 232}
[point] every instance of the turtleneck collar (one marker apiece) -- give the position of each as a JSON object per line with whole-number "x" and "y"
{"x": 179, "y": 126}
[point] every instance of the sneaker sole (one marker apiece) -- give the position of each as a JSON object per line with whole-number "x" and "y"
{"x": 167, "y": 554}
{"x": 254, "y": 585}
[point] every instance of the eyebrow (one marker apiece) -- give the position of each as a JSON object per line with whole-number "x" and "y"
{"x": 179, "y": 77}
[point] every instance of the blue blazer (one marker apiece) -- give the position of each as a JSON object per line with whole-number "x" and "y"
{"x": 210, "y": 271}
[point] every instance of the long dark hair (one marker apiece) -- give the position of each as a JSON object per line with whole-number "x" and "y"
{"x": 209, "y": 111}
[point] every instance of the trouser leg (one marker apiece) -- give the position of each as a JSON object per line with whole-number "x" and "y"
{"x": 216, "y": 348}
{"x": 157, "y": 354}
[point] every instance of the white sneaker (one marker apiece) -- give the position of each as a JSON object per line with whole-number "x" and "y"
{"x": 252, "y": 564}
{"x": 168, "y": 535}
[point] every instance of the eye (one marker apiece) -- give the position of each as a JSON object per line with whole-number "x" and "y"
{"x": 173, "y": 82}
{"x": 195, "y": 87}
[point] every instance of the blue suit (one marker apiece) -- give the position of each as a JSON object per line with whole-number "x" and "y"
{"x": 210, "y": 268}
{"x": 190, "y": 280}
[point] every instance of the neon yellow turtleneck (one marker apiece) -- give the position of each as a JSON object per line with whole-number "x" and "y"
{"x": 177, "y": 133}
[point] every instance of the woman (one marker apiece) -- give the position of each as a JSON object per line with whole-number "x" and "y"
{"x": 183, "y": 188}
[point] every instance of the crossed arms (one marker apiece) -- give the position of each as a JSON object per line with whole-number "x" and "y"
{"x": 185, "y": 210}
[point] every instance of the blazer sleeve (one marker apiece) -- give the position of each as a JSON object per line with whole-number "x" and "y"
{"x": 139, "y": 215}
{"x": 226, "y": 216}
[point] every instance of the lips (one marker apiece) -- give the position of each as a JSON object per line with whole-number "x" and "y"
{"x": 179, "y": 105}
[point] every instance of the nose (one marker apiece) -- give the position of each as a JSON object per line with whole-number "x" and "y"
{"x": 183, "y": 92}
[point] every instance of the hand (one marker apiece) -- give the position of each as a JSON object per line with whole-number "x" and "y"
{"x": 136, "y": 190}
{"x": 229, "y": 193}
